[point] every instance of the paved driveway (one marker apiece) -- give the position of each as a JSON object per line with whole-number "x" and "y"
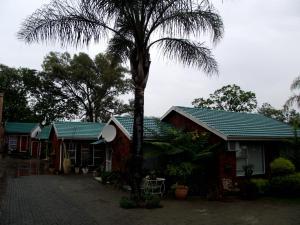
{"x": 74, "y": 200}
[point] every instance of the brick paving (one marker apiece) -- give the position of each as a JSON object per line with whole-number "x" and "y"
{"x": 39, "y": 200}
{"x": 80, "y": 200}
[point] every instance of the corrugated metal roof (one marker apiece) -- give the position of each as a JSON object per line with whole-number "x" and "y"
{"x": 235, "y": 124}
{"x": 19, "y": 128}
{"x": 78, "y": 130}
{"x": 45, "y": 133}
{"x": 97, "y": 142}
{"x": 153, "y": 127}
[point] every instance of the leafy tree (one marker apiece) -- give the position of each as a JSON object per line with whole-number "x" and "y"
{"x": 91, "y": 86}
{"x": 136, "y": 26}
{"x": 15, "y": 104}
{"x": 229, "y": 98}
{"x": 186, "y": 156}
{"x": 285, "y": 115}
{"x": 48, "y": 101}
{"x": 268, "y": 110}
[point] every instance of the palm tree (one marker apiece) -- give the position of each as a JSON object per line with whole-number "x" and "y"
{"x": 294, "y": 98}
{"x": 133, "y": 27}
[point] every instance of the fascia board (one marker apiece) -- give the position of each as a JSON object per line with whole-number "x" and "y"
{"x": 195, "y": 120}
{"x": 119, "y": 125}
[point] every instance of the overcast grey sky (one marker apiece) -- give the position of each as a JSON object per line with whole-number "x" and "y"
{"x": 259, "y": 52}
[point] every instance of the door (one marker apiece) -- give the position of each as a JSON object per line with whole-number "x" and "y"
{"x": 23, "y": 143}
{"x": 35, "y": 149}
{"x": 85, "y": 154}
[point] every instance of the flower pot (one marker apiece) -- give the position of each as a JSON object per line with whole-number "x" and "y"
{"x": 67, "y": 166}
{"x": 181, "y": 192}
{"x": 51, "y": 170}
{"x": 77, "y": 170}
{"x": 85, "y": 170}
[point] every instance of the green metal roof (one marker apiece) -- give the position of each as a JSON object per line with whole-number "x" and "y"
{"x": 19, "y": 128}
{"x": 153, "y": 127}
{"x": 238, "y": 125}
{"x": 45, "y": 133}
{"x": 78, "y": 130}
{"x": 97, "y": 142}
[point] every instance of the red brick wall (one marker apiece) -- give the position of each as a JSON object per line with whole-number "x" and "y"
{"x": 121, "y": 149}
{"x": 227, "y": 164}
{"x": 226, "y": 160}
{"x": 181, "y": 122}
{"x": 55, "y": 151}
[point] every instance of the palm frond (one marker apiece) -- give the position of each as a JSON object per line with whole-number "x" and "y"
{"x": 188, "y": 52}
{"x": 292, "y": 100}
{"x": 183, "y": 18}
{"x": 67, "y": 22}
{"x": 120, "y": 47}
{"x": 296, "y": 84}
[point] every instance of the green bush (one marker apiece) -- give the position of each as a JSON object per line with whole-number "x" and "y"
{"x": 288, "y": 185}
{"x": 262, "y": 185}
{"x": 127, "y": 203}
{"x": 248, "y": 190}
{"x": 152, "y": 201}
{"x": 282, "y": 166}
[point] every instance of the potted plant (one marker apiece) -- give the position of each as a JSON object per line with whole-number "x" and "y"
{"x": 85, "y": 170}
{"x": 77, "y": 169}
{"x": 180, "y": 171}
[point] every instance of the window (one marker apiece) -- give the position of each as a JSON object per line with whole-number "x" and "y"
{"x": 12, "y": 143}
{"x": 250, "y": 154}
{"x": 72, "y": 152}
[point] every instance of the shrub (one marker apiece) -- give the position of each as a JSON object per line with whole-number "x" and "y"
{"x": 152, "y": 201}
{"x": 249, "y": 190}
{"x": 262, "y": 185}
{"x": 282, "y": 166}
{"x": 127, "y": 203}
{"x": 288, "y": 185}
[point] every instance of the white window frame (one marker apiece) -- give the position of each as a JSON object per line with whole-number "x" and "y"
{"x": 247, "y": 161}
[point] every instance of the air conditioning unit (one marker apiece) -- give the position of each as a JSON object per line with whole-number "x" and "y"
{"x": 233, "y": 146}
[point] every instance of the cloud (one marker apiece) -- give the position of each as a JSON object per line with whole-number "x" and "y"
{"x": 260, "y": 52}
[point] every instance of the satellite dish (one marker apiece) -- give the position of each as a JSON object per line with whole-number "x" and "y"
{"x": 109, "y": 133}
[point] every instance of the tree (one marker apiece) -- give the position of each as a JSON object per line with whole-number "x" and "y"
{"x": 229, "y": 98}
{"x": 15, "y": 105}
{"x": 136, "y": 26}
{"x": 290, "y": 116}
{"x": 91, "y": 86}
{"x": 295, "y": 98}
{"x": 48, "y": 101}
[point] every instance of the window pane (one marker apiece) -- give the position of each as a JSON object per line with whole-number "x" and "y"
{"x": 256, "y": 158}
{"x": 240, "y": 163}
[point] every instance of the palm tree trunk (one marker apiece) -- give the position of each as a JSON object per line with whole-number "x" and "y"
{"x": 137, "y": 142}
{"x": 140, "y": 64}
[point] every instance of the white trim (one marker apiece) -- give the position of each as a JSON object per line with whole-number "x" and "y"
{"x": 55, "y": 131}
{"x": 119, "y": 125}
{"x": 200, "y": 123}
{"x": 60, "y": 156}
{"x": 173, "y": 108}
{"x": 34, "y": 131}
{"x": 236, "y": 138}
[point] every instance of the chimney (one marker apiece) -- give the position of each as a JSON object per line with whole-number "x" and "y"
{"x": 1, "y": 124}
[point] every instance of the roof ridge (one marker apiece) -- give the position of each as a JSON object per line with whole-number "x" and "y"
{"x": 220, "y": 110}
